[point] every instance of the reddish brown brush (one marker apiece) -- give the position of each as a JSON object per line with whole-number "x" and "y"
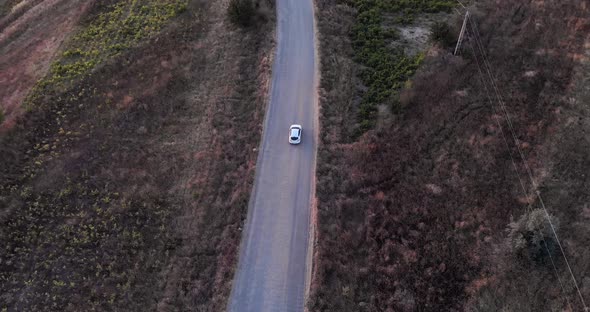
{"x": 412, "y": 216}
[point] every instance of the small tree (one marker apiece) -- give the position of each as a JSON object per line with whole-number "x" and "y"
{"x": 441, "y": 32}
{"x": 531, "y": 236}
{"x": 241, "y": 12}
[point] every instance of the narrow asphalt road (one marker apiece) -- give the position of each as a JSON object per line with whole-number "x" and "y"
{"x": 272, "y": 270}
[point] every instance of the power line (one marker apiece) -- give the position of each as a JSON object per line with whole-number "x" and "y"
{"x": 461, "y": 4}
{"x": 462, "y": 33}
{"x": 564, "y": 293}
{"x": 529, "y": 172}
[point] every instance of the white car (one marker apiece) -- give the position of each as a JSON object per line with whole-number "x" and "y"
{"x": 295, "y": 134}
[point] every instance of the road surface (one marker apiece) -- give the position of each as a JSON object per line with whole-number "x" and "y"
{"x": 272, "y": 270}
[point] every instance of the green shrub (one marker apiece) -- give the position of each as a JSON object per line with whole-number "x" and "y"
{"x": 1, "y": 116}
{"x": 391, "y": 34}
{"x": 241, "y": 12}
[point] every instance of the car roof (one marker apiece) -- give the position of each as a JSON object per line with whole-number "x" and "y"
{"x": 295, "y": 131}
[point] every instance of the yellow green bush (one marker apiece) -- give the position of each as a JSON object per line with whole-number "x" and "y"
{"x": 119, "y": 28}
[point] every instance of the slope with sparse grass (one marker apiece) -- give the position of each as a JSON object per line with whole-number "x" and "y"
{"x": 120, "y": 186}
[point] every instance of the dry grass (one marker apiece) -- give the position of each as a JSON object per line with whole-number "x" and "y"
{"x": 412, "y": 215}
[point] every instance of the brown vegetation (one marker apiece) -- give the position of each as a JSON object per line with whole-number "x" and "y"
{"x": 413, "y": 215}
{"x": 124, "y": 190}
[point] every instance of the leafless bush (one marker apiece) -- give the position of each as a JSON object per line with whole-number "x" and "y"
{"x": 531, "y": 237}
{"x": 241, "y": 12}
{"x": 441, "y": 32}
{"x": 246, "y": 13}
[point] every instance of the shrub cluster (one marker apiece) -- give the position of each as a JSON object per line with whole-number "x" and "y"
{"x": 246, "y": 13}
{"x": 385, "y": 70}
{"x": 241, "y": 12}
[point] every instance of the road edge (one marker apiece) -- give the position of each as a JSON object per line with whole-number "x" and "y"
{"x": 310, "y": 264}
{"x": 269, "y": 86}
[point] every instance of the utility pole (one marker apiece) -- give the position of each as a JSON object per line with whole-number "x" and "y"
{"x": 462, "y": 33}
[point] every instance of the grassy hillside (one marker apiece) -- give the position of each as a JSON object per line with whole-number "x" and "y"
{"x": 120, "y": 188}
{"x": 413, "y": 215}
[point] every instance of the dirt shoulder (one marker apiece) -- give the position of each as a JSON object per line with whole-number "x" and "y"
{"x": 413, "y": 214}
{"x": 126, "y": 187}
